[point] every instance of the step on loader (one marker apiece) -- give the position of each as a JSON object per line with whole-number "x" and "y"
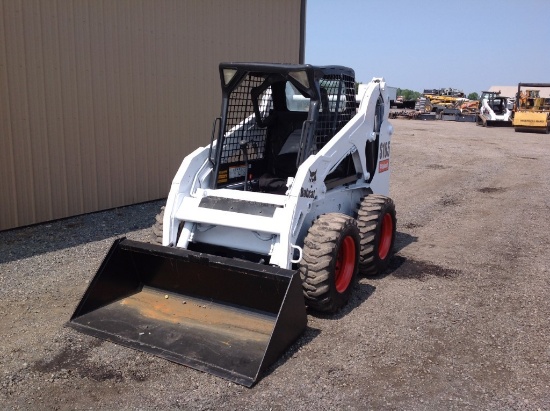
{"x": 280, "y": 212}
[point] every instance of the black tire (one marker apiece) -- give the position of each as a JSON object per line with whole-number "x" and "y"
{"x": 377, "y": 223}
{"x": 330, "y": 262}
{"x": 158, "y": 227}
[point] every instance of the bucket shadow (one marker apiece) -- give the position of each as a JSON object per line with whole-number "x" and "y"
{"x": 307, "y": 337}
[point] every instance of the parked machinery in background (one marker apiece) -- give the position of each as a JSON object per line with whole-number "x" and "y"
{"x": 531, "y": 111}
{"x": 493, "y": 110}
{"x": 436, "y": 100}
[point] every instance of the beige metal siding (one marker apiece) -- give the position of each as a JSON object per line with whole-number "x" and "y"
{"x": 101, "y": 100}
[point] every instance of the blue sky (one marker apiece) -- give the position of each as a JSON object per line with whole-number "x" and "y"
{"x": 465, "y": 44}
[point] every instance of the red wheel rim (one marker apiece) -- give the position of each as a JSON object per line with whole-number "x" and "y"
{"x": 386, "y": 233}
{"x": 345, "y": 264}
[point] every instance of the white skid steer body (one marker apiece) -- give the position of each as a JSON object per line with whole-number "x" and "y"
{"x": 280, "y": 211}
{"x": 274, "y": 225}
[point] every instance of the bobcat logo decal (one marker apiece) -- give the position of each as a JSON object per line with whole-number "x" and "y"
{"x": 307, "y": 193}
{"x": 312, "y": 176}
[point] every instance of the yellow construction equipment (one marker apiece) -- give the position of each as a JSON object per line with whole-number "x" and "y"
{"x": 439, "y": 99}
{"x": 531, "y": 111}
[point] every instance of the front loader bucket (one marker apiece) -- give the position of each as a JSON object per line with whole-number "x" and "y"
{"x": 228, "y": 317}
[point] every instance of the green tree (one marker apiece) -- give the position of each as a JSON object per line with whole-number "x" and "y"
{"x": 408, "y": 94}
{"x": 473, "y": 96}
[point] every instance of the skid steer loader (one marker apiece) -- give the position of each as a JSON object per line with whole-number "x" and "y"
{"x": 493, "y": 110}
{"x": 279, "y": 212}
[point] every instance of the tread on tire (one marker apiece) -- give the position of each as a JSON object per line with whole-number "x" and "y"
{"x": 330, "y": 262}
{"x": 377, "y": 224}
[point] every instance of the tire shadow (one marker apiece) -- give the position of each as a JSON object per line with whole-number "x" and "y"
{"x": 409, "y": 269}
{"x": 403, "y": 240}
{"x": 359, "y": 295}
{"x": 363, "y": 291}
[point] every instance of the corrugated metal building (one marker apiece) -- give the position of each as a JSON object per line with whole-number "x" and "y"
{"x": 100, "y": 100}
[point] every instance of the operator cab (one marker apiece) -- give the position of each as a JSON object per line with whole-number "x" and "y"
{"x": 273, "y": 117}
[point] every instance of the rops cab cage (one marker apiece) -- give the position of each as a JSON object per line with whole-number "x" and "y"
{"x": 275, "y": 116}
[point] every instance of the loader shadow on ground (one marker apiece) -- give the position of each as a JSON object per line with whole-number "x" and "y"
{"x": 399, "y": 267}
{"x": 359, "y": 295}
{"x": 363, "y": 291}
{"x": 402, "y": 240}
{"x": 37, "y": 239}
{"x": 409, "y": 269}
{"x": 307, "y": 337}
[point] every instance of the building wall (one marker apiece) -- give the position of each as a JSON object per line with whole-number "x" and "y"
{"x": 100, "y": 100}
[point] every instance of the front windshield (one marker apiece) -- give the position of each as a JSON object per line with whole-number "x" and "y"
{"x": 296, "y": 101}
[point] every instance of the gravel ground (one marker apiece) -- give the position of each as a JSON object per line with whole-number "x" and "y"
{"x": 460, "y": 320}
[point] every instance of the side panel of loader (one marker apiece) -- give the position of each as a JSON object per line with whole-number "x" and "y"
{"x": 228, "y": 317}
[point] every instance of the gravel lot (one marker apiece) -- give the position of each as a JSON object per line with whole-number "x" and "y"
{"x": 460, "y": 320}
